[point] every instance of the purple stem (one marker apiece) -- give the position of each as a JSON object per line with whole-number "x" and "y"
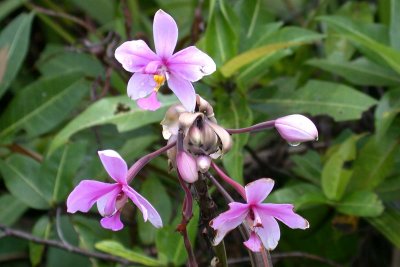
{"x": 254, "y": 128}
{"x": 140, "y": 163}
{"x": 238, "y": 187}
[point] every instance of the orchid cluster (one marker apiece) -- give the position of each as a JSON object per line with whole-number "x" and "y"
{"x": 194, "y": 141}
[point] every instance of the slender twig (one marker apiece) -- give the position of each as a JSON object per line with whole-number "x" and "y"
{"x": 254, "y": 128}
{"x": 127, "y": 19}
{"x": 25, "y": 151}
{"x": 63, "y": 15}
{"x": 54, "y": 243}
{"x": 238, "y": 187}
{"x": 140, "y": 163}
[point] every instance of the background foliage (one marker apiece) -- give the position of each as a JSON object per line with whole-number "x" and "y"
{"x": 63, "y": 97}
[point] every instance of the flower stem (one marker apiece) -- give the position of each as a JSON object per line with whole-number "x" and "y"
{"x": 238, "y": 187}
{"x": 140, "y": 163}
{"x": 254, "y": 128}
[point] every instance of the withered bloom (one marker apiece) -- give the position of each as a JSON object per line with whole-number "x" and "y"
{"x": 203, "y": 138}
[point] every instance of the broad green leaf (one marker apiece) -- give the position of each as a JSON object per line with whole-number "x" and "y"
{"x": 15, "y": 38}
{"x": 3, "y": 62}
{"x": 308, "y": 166}
{"x": 353, "y": 32}
{"x": 8, "y": 6}
{"x": 394, "y": 30}
{"x": 318, "y": 97}
{"x": 57, "y": 63}
{"x": 374, "y": 163}
{"x": 388, "y": 224}
{"x": 335, "y": 176}
{"x": 235, "y": 114}
{"x": 21, "y": 178}
{"x": 176, "y": 253}
{"x": 221, "y": 37}
{"x": 120, "y": 111}
{"x": 43, "y": 104}
{"x": 59, "y": 169}
{"x": 359, "y": 72}
{"x": 389, "y": 189}
{"x": 300, "y": 195}
{"x": 388, "y": 108}
{"x": 285, "y": 38}
{"x": 361, "y": 203}
{"x": 11, "y": 209}
{"x": 117, "y": 249}
{"x": 42, "y": 230}
{"x": 160, "y": 201}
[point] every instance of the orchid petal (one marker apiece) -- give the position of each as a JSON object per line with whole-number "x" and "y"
{"x": 284, "y": 213}
{"x": 106, "y": 205}
{"x": 113, "y": 222}
{"x": 141, "y": 85}
{"x": 149, "y": 103}
{"x": 134, "y": 55}
{"x": 165, "y": 32}
{"x": 258, "y": 190}
{"x": 149, "y": 212}
{"x": 191, "y": 64}
{"x": 229, "y": 220}
{"x": 254, "y": 243}
{"x": 184, "y": 90}
{"x": 114, "y": 164}
{"x": 269, "y": 233}
{"x": 86, "y": 193}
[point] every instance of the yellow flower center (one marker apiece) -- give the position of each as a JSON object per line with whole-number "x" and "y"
{"x": 159, "y": 79}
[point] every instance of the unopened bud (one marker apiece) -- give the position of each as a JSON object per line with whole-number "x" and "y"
{"x": 203, "y": 163}
{"x": 296, "y": 128}
{"x": 187, "y": 167}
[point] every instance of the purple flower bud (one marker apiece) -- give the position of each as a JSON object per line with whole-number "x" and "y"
{"x": 187, "y": 167}
{"x": 203, "y": 163}
{"x": 296, "y": 128}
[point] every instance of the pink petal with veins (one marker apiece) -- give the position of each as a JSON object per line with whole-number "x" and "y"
{"x": 113, "y": 222}
{"x": 114, "y": 164}
{"x": 184, "y": 90}
{"x": 149, "y": 103}
{"x": 258, "y": 190}
{"x": 134, "y": 55}
{"x": 165, "y": 32}
{"x": 284, "y": 213}
{"x": 141, "y": 85}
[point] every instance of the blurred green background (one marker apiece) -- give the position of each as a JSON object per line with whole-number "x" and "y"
{"x": 63, "y": 97}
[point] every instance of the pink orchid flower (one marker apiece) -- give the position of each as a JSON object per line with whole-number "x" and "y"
{"x": 260, "y": 217}
{"x": 111, "y": 198}
{"x": 151, "y": 69}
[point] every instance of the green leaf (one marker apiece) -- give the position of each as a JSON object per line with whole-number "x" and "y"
{"x": 308, "y": 166}
{"x": 117, "y": 249}
{"x": 102, "y": 11}
{"x": 388, "y": 108}
{"x": 8, "y": 6}
{"x": 300, "y": 195}
{"x": 43, "y": 104}
{"x": 160, "y": 201}
{"x": 359, "y": 72}
{"x": 42, "y": 230}
{"x": 21, "y": 178}
{"x": 285, "y": 38}
{"x": 394, "y": 30}
{"x": 221, "y": 38}
{"x": 318, "y": 97}
{"x": 176, "y": 253}
{"x": 11, "y": 209}
{"x": 374, "y": 163}
{"x": 389, "y": 189}
{"x": 120, "y": 111}
{"x": 15, "y": 38}
{"x": 235, "y": 114}
{"x": 56, "y": 63}
{"x": 59, "y": 169}
{"x": 388, "y": 224}
{"x": 361, "y": 203}
{"x": 335, "y": 176}
{"x": 355, "y": 33}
